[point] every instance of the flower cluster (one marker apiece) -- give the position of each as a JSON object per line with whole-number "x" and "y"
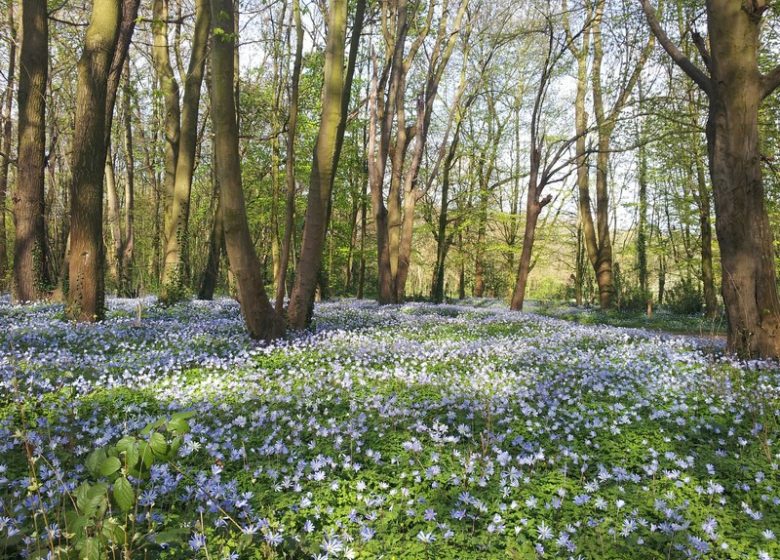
{"x": 415, "y": 431}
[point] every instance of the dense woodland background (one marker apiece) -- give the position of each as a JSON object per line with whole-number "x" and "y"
{"x": 474, "y": 148}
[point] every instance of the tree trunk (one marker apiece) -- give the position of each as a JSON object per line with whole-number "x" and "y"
{"x": 161, "y": 59}
{"x": 292, "y": 126}
{"x": 736, "y": 89}
{"x": 125, "y": 287}
{"x": 174, "y": 283}
{"x": 259, "y": 315}
{"x": 7, "y": 138}
{"x": 86, "y": 290}
{"x": 336, "y": 94}
{"x": 707, "y": 273}
{"x": 30, "y": 281}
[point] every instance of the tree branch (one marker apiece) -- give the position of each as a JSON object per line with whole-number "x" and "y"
{"x": 693, "y": 71}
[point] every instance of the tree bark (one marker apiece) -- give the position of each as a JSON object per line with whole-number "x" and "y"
{"x": 7, "y": 138}
{"x": 292, "y": 127}
{"x": 86, "y": 290}
{"x": 258, "y": 313}
{"x": 177, "y": 220}
{"x": 736, "y": 88}
{"x": 335, "y": 101}
{"x": 30, "y": 282}
{"x": 161, "y": 59}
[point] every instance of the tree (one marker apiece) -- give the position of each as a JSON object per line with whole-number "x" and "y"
{"x": 30, "y": 281}
{"x": 292, "y": 127}
{"x": 337, "y": 88}
{"x": 86, "y": 277}
{"x": 7, "y": 133}
{"x": 546, "y": 161}
{"x": 261, "y": 320}
{"x": 181, "y": 142}
{"x": 736, "y": 88}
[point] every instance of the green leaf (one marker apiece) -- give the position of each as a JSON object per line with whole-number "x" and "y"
{"x": 110, "y": 466}
{"x": 124, "y": 495}
{"x": 90, "y": 549}
{"x": 94, "y": 460}
{"x": 178, "y": 426}
{"x": 125, "y": 443}
{"x": 158, "y": 444}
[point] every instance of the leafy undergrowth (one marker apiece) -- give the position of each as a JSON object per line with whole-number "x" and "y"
{"x": 407, "y": 432}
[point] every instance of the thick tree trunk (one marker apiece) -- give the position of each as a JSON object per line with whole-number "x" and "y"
{"x": 258, "y": 313}
{"x": 174, "y": 280}
{"x": 30, "y": 282}
{"x": 744, "y": 235}
{"x": 86, "y": 290}
{"x": 7, "y": 137}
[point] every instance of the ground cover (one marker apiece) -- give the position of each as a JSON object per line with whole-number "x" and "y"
{"x": 413, "y": 431}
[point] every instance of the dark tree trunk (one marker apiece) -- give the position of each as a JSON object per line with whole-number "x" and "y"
{"x": 736, "y": 88}
{"x": 30, "y": 282}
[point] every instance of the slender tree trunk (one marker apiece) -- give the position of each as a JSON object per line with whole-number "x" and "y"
{"x": 7, "y": 138}
{"x": 114, "y": 219}
{"x": 30, "y": 281}
{"x": 161, "y": 59}
{"x": 707, "y": 273}
{"x": 177, "y": 220}
{"x": 86, "y": 290}
{"x": 259, "y": 315}
{"x": 216, "y": 246}
{"x": 125, "y": 287}
{"x": 292, "y": 126}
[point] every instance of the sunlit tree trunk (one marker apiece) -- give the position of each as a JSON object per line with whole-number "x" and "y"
{"x": 335, "y": 102}
{"x": 86, "y": 288}
{"x": 177, "y": 219}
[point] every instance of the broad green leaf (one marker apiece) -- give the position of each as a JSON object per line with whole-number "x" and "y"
{"x": 124, "y": 495}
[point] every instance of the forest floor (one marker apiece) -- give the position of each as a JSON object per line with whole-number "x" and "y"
{"x": 414, "y": 432}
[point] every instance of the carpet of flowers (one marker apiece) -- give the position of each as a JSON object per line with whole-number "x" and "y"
{"x": 414, "y": 431}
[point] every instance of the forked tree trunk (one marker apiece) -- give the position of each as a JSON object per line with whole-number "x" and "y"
{"x": 86, "y": 277}
{"x": 258, "y": 313}
{"x": 335, "y": 102}
{"x": 174, "y": 279}
{"x": 30, "y": 281}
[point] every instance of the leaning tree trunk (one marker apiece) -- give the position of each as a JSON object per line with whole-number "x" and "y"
{"x": 30, "y": 281}
{"x": 86, "y": 289}
{"x": 259, "y": 315}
